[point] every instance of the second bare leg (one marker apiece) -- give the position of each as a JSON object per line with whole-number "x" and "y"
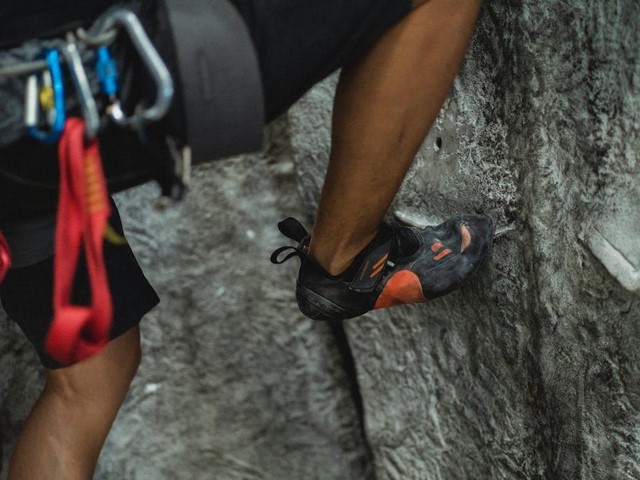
{"x": 384, "y": 106}
{"x": 63, "y": 436}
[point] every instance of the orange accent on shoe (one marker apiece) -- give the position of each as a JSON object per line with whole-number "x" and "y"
{"x": 380, "y": 262}
{"x": 436, "y": 246}
{"x": 442, "y": 254}
{"x": 378, "y": 267}
{"x": 466, "y": 237}
{"x": 402, "y": 288}
{"x": 377, "y": 272}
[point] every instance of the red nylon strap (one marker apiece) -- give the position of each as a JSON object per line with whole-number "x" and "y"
{"x": 5, "y": 257}
{"x": 79, "y": 331}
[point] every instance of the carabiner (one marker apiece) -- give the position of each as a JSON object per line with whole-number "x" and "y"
{"x": 56, "y": 112}
{"x": 83, "y": 89}
{"x": 107, "y": 72}
{"x": 128, "y": 20}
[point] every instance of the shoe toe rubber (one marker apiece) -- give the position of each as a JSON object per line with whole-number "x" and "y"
{"x": 469, "y": 237}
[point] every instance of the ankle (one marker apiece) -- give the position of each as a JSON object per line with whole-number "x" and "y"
{"x": 334, "y": 265}
{"x": 336, "y": 258}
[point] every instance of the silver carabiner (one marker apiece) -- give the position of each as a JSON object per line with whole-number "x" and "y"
{"x": 129, "y": 21}
{"x": 83, "y": 89}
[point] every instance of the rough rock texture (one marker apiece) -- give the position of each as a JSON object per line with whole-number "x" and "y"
{"x": 530, "y": 372}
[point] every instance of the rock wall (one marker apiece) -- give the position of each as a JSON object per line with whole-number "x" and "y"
{"x": 530, "y": 372}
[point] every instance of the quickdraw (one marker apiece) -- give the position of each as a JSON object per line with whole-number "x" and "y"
{"x": 78, "y": 331}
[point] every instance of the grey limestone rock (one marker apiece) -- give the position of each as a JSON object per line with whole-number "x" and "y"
{"x": 531, "y": 370}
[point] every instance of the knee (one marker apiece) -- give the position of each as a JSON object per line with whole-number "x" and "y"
{"x": 103, "y": 379}
{"x": 69, "y": 423}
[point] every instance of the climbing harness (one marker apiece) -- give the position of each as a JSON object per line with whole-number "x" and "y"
{"x": 173, "y": 82}
{"x": 159, "y": 85}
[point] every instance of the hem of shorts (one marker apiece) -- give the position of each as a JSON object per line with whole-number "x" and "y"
{"x": 124, "y": 325}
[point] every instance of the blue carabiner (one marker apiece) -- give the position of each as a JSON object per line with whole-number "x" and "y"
{"x": 107, "y": 72}
{"x": 52, "y": 58}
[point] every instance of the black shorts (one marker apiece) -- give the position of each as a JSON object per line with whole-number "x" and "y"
{"x": 300, "y": 42}
{"x": 27, "y": 293}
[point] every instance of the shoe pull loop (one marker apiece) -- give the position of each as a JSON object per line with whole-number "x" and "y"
{"x": 294, "y": 252}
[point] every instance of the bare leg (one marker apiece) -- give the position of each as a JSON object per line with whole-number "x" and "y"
{"x": 64, "y": 433}
{"x": 384, "y": 107}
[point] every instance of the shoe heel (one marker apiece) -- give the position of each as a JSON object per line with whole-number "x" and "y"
{"x": 316, "y": 307}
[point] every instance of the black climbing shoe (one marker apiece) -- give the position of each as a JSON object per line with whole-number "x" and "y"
{"x": 401, "y": 265}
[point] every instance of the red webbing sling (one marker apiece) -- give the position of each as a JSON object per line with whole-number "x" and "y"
{"x": 5, "y": 257}
{"x": 79, "y": 331}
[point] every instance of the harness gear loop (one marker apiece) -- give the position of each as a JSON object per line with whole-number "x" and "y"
{"x": 79, "y": 331}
